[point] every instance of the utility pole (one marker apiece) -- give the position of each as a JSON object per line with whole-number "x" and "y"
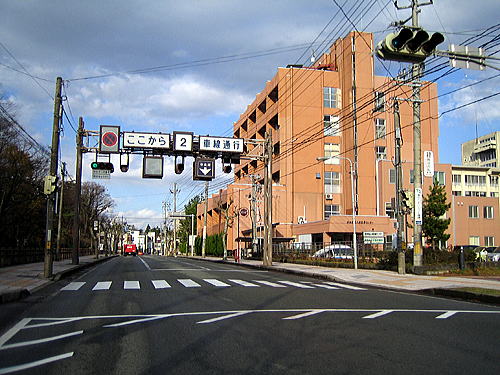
{"x": 204, "y": 238}
{"x": 399, "y": 179}
{"x": 253, "y": 205}
{"x": 48, "y": 261}
{"x": 59, "y": 219}
{"x": 174, "y": 192}
{"x": 268, "y": 203}
{"x": 78, "y": 190}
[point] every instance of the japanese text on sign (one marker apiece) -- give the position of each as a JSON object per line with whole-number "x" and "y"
{"x": 221, "y": 144}
{"x": 145, "y": 140}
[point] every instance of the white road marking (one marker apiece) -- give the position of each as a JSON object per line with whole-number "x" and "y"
{"x": 325, "y": 286}
{"x": 188, "y": 283}
{"x": 344, "y": 286}
{"x": 303, "y": 315}
{"x": 12, "y": 332}
{"x": 269, "y": 283}
{"x": 40, "y": 341}
{"x": 446, "y": 315}
{"x": 243, "y": 283}
{"x": 8, "y": 370}
{"x": 216, "y": 282}
{"x": 298, "y": 285}
{"x": 102, "y": 285}
{"x": 144, "y": 262}
{"x": 160, "y": 284}
{"x": 74, "y": 285}
{"x": 223, "y": 317}
{"x": 127, "y": 284}
{"x": 377, "y": 314}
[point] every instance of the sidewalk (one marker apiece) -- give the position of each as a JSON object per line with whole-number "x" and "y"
{"x": 20, "y": 281}
{"x": 439, "y": 285}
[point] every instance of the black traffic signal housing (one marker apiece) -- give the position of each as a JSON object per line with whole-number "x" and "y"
{"x": 179, "y": 166}
{"x": 407, "y": 200}
{"x": 409, "y": 45}
{"x": 103, "y": 166}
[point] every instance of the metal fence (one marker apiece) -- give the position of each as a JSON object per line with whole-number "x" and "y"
{"x": 15, "y": 256}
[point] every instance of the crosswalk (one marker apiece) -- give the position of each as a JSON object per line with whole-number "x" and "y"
{"x": 190, "y": 283}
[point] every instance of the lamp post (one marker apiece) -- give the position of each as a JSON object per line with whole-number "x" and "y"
{"x": 354, "y": 242}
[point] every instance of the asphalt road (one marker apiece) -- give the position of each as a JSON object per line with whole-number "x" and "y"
{"x": 153, "y": 315}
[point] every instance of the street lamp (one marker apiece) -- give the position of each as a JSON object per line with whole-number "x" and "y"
{"x": 354, "y": 242}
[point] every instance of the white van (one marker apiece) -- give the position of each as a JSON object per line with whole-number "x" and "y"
{"x": 337, "y": 251}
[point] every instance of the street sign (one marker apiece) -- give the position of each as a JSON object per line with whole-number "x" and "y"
{"x": 373, "y": 234}
{"x": 428, "y": 164}
{"x": 109, "y": 139}
{"x": 152, "y": 167}
{"x": 243, "y": 211}
{"x": 418, "y": 206}
{"x": 204, "y": 169}
{"x": 183, "y": 141}
{"x": 101, "y": 174}
{"x": 146, "y": 140}
{"x": 373, "y": 237}
{"x": 221, "y": 144}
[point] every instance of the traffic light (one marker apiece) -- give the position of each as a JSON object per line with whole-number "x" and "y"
{"x": 407, "y": 200}
{"x": 179, "y": 166}
{"x": 409, "y": 45}
{"x": 102, "y": 166}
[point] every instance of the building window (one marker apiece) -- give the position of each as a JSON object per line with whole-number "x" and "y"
{"x": 380, "y": 152}
{"x": 331, "y": 125}
{"x": 488, "y": 212}
{"x": 379, "y": 128}
{"x": 332, "y": 182}
{"x": 331, "y": 151}
{"x": 474, "y": 240}
{"x": 456, "y": 193}
{"x": 494, "y": 194}
{"x": 493, "y": 180}
{"x": 392, "y": 176}
{"x": 489, "y": 241}
{"x": 412, "y": 176}
{"x": 379, "y": 102}
{"x": 475, "y": 180}
{"x": 331, "y": 210}
{"x": 474, "y": 212}
{"x": 457, "y": 178}
{"x": 440, "y": 177}
{"x": 389, "y": 210}
{"x": 331, "y": 97}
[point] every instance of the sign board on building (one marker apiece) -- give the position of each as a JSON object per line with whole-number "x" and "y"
{"x": 204, "y": 169}
{"x": 418, "y": 206}
{"x": 109, "y": 139}
{"x": 101, "y": 174}
{"x": 221, "y": 144}
{"x": 301, "y": 220}
{"x": 146, "y": 140}
{"x": 183, "y": 141}
{"x": 373, "y": 237}
{"x": 428, "y": 164}
{"x": 243, "y": 211}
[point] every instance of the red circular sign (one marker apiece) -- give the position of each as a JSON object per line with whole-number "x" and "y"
{"x": 109, "y": 139}
{"x": 243, "y": 211}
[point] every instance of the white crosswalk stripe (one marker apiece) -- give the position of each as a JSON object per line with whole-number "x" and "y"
{"x": 160, "y": 284}
{"x": 131, "y": 285}
{"x": 216, "y": 282}
{"x": 73, "y": 286}
{"x": 188, "y": 283}
{"x": 102, "y": 285}
{"x": 269, "y": 283}
{"x": 242, "y": 282}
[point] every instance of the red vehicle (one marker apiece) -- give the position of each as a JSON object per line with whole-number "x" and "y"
{"x": 129, "y": 249}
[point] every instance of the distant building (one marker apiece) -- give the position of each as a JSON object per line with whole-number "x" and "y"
{"x": 483, "y": 151}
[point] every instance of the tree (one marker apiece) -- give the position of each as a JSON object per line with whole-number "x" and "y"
{"x": 435, "y": 206}
{"x": 185, "y": 225}
{"x": 225, "y": 209}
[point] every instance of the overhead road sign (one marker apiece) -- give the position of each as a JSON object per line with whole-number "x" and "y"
{"x": 152, "y": 167}
{"x": 204, "y": 169}
{"x": 183, "y": 141}
{"x": 109, "y": 139}
{"x": 101, "y": 174}
{"x": 221, "y": 144}
{"x": 146, "y": 140}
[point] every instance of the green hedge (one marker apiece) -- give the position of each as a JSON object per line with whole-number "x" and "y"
{"x": 213, "y": 247}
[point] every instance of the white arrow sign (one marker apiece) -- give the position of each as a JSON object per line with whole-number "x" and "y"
{"x": 205, "y": 170}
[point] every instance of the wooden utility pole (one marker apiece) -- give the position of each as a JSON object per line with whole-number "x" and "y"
{"x": 59, "y": 218}
{"x": 49, "y": 254}
{"x": 399, "y": 189}
{"x": 204, "y": 238}
{"x": 75, "y": 256}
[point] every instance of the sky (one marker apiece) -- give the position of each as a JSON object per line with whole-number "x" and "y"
{"x": 195, "y": 65}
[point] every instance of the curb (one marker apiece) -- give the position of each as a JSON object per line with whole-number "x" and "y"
{"x": 17, "y": 294}
{"x": 441, "y": 292}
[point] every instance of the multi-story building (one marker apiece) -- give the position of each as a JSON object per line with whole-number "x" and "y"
{"x": 336, "y": 108}
{"x": 483, "y": 151}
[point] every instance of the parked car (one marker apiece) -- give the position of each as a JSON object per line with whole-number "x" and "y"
{"x": 336, "y": 251}
{"x": 493, "y": 253}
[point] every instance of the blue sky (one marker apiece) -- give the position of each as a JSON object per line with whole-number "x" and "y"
{"x": 215, "y": 55}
